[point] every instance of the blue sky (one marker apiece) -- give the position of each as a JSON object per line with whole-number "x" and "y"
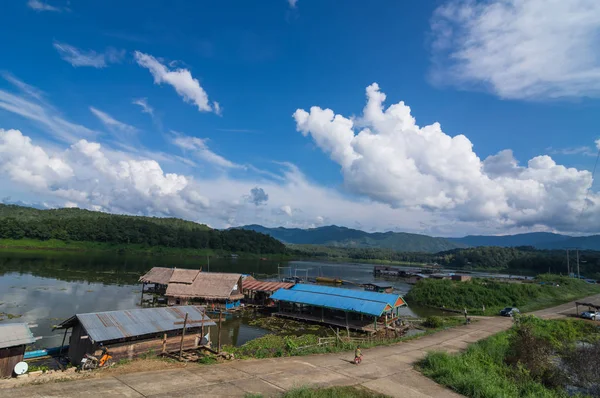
{"x": 202, "y": 110}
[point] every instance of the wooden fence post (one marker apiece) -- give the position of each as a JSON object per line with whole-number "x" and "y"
{"x": 182, "y": 336}
{"x": 219, "y": 335}
{"x": 164, "y": 343}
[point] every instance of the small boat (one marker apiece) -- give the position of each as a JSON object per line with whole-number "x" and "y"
{"x": 44, "y": 352}
{"x": 323, "y": 279}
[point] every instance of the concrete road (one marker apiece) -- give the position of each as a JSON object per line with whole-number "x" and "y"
{"x": 388, "y": 370}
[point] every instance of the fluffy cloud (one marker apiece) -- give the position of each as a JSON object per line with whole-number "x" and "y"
{"x": 96, "y": 177}
{"x": 182, "y": 81}
{"x": 200, "y": 149}
{"x": 78, "y": 57}
{"x": 111, "y": 122}
{"x": 258, "y": 196}
{"x": 29, "y": 164}
{"x": 518, "y": 49}
{"x": 394, "y": 161}
{"x": 90, "y": 176}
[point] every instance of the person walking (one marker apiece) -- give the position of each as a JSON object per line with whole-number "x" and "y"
{"x": 465, "y": 312}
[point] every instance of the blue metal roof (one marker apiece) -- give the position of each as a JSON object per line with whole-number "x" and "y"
{"x": 115, "y": 325}
{"x": 318, "y": 299}
{"x": 388, "y": 298}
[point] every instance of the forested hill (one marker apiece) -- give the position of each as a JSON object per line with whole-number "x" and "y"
{"x": 535, "y": 239}
{"x": 18, "y": 222}
{"x": 335, "y": 236}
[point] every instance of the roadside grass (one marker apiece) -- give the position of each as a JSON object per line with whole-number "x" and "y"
{"x": 546, "y": 290}
{"x": 331, "y": 392}
{"x": 485, "y": 369}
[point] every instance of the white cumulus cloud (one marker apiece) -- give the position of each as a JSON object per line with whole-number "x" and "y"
{"x": 94, "y": 177}
{"x": 393, "y": 160}
{"x": 180, "y": 79}
{"x": 78, "y": 57}
{"x": 533, "y": 49}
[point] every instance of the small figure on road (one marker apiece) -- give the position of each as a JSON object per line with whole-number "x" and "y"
{"x": 483, "y": 308}
{"x": 465, "y": 312}
{"x": 357, "y": 355}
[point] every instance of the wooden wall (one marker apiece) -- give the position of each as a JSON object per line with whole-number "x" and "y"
{"x": 132, "y": 350}
{"x": 9, "y": 357}
{"x": 78, "y": 347}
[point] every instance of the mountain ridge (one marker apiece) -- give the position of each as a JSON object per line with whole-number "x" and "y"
{"x": 338, "y": 236}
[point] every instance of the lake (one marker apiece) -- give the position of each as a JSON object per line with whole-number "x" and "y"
{"x": 47, "y": 288}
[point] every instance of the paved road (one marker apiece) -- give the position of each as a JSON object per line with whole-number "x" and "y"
{"x": 388, "y": 370}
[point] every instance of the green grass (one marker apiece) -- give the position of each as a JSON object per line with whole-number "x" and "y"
{"x": 483, "y": 370}
{"x": 273, "y": 346}
{"x": 495, "y": 295}
{"x": 331, "y": 392}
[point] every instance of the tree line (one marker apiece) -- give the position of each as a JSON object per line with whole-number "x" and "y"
{"x": 109, "y": 228}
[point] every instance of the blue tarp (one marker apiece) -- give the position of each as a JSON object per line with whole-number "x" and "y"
{"x": 338, "y": 302}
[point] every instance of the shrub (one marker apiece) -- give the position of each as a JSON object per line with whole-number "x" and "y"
{"x": 433, "y": 322}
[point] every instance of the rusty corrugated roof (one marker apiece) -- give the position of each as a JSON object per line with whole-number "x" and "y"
{"x": 265, "y": 286}
{"x": 115, "y": 325}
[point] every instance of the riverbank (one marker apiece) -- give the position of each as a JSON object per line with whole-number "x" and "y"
{"x": 55, "y": 245}
{"x": 544, "y": 291}
{"x": 385, "y": 370}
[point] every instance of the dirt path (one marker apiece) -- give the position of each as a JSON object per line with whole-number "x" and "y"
{"x": 388, "y": 370}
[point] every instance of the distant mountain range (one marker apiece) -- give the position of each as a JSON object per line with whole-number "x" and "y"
{"x": 347, "y": 237}
{"x": 401, "y": 241}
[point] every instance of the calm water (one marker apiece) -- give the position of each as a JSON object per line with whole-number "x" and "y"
{"x": 45, "y": 289}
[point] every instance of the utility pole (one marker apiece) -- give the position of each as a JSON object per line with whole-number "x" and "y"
{"x": 568, "y": 268}
{"x": 578, "y": 275}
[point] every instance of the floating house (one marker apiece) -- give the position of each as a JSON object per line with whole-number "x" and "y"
{"x": 379, "y": 287}
{"x": 352, "y": 309}
{"x": 130, "y": 333}
{"x": 259, "y": 292}
{"x": 13, "y": 339}
{"x": 187, "y": 286}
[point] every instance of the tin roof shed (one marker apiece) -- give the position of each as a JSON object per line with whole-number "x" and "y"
{"x": 116, "y": 325}
{"x": 15, "y": 334}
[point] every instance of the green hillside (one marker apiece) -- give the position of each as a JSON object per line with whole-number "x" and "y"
{"x": 334, "y": 236}
{"x": 76, "y": 225}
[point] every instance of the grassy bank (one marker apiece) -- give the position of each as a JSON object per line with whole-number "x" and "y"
{"x": 271, "y": 345}
{"x": 138, "y": 249}
{"x": 535, "y": 359}
{"x": 545, "y": 291}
